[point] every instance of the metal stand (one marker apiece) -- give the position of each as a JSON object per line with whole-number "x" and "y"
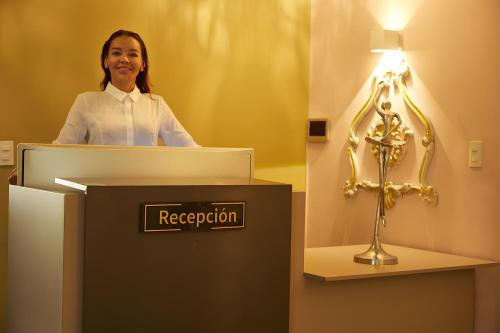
{"x": 376, "y": 255}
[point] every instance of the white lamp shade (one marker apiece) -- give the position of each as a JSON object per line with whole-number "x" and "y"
{"x": 386, "y": 40}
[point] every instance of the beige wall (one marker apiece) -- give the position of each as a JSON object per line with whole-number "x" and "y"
{"x": 453, "y": 48}
{"x": 234, "y": 72}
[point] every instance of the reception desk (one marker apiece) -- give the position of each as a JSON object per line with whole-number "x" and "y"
{"x": 141, "y": 239}
{"x": 82, "y": 261}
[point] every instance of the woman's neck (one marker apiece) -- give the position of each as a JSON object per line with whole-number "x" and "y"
{"x": 124, "y": 86}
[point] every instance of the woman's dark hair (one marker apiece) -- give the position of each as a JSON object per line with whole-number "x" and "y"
{"x": 142, "y": 79}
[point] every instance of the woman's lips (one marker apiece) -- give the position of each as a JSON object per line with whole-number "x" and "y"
{"x": 124, "y": 69}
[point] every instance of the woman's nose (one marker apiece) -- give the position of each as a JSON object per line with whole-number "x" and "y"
{"x": 124, "y": 59}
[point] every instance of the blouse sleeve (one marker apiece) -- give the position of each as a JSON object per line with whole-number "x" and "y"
{"x": 74, "y": 130}
{"x": 171, "y": 131}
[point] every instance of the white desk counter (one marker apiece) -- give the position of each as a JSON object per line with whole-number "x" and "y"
{"x": 336, "y": 263}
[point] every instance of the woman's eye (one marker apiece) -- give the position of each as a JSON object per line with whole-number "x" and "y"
{"x": 133, "y": 55}
{"x": 115, "y": 53}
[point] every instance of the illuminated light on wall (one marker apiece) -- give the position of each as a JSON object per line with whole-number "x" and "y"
{"x": 391, "y": 61}
{"x": 394, "y": 14}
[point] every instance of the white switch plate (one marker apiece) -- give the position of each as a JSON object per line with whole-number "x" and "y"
{"x": 6, "y": 152}
{"x": 475, "y": 154}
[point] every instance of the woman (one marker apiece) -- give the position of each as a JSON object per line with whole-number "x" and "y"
{"x": 124, "y": 112}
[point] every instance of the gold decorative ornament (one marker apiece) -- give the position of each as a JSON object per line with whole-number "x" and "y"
{"x": 397, "y": 135}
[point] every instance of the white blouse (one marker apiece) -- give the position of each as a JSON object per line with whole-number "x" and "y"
{"x": 114, "y": 117}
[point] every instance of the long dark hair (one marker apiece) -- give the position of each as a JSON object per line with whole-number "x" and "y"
{"x": 142, "y": 79}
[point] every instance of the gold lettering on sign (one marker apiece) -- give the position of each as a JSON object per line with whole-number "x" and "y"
{"x": 191, "y": 217}
{"x": 163, "y": 216}
{"x": 232, "y": 217}
{"x": 210, "y": 220}
{"x": 198, "y": 218}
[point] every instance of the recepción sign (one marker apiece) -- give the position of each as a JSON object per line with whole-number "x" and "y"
{"x": 193, "y": 216}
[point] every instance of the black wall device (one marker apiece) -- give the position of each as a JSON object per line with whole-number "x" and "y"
{"x": 317, "y": 130}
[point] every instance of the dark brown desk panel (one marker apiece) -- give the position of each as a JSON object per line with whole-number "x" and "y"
{"x": 211, "y": 281}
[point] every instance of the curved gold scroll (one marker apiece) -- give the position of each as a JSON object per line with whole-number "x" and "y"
{"x": 427, "y": 192}
{"x": 351, "y": 185}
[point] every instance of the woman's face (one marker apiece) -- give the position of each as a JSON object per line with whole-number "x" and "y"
{"x": 124, "y": 61}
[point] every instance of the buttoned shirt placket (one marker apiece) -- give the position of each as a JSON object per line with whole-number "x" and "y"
{"x": 129, "y": 119}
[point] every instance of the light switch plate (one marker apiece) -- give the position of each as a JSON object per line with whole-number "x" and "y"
{"x": 6, "y": 152}
{"x": 475, "y": 154}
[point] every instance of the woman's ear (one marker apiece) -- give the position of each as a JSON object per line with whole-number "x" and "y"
{"x": 106, "y": 66}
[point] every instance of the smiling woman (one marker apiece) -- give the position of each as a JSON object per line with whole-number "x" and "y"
{"x": 124, "y": 62}
{"x": 125, "y": 112}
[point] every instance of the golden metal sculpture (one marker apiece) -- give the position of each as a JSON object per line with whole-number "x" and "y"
{"x": 391, "y": 81}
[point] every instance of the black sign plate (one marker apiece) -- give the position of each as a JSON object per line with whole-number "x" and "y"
{"x": 193, "y": 216}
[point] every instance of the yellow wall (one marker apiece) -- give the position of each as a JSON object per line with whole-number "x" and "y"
{"x": 234, "y": 72}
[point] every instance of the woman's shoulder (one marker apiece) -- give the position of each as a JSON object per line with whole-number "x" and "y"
{"x": 88, "y": 100}
{"x": 154, "y": 99}
{"x": 152, "y": 96}
{"x": 90, "y": 94}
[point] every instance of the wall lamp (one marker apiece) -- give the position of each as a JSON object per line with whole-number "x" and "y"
{"x": 386, "y": 40}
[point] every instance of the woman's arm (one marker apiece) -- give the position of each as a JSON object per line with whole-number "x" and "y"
{"x": 171, "y": 131}
{"x": 75, "y": 126}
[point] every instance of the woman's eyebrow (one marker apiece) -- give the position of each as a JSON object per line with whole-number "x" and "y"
{"x": 128, "y": 50}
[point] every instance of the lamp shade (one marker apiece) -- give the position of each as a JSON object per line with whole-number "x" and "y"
{"x": 386, "y": 40}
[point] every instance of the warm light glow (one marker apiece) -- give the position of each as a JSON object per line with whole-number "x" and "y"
{"x": 394, "y": 20}
{"x": 394, "y": 14}
{"x": 392, "y": 61}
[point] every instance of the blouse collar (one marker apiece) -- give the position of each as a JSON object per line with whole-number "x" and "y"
{"x": 120, "y": 95}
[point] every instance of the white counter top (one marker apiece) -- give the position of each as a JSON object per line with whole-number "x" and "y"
{"x": 82, "y": 183}
{"x": 336, "y": 263}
